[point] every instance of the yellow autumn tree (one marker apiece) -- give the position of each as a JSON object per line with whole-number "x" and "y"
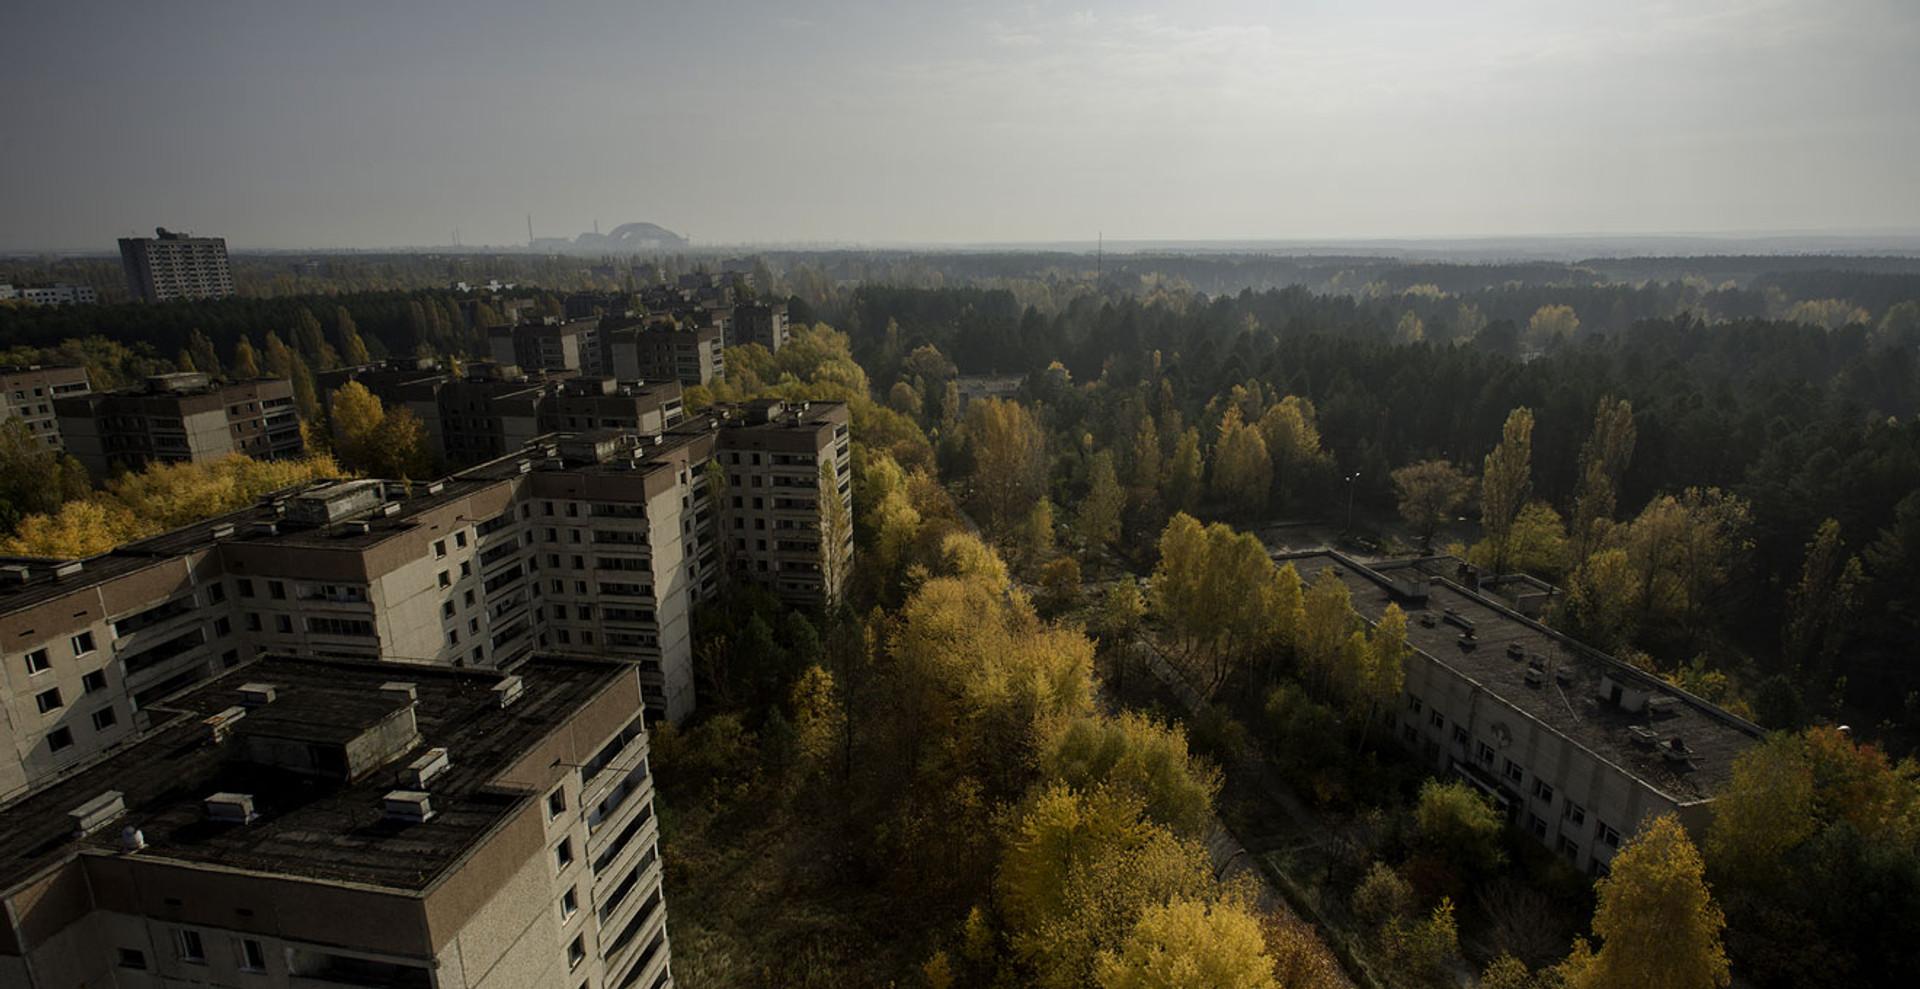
{"x": 1191, "y": 944}
{"x": 1658, "y": 925}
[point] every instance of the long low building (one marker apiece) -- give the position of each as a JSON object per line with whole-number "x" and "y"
{"x": 1574, "y": 746}
{"x": 304, "y": 823}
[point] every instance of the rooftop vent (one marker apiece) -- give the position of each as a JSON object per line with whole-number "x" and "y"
{"x": 508, "y": 690}
{"x": 264, "y": 528}
{"x": 14, "y": 573}
{"x": 401, "y": 688}
{"x": 221, "y": 531}
{"x": 1427, "y": 620}
{"x": 525, "y": 466}
{"x": 97, "y": 813}
{"x": 390, "y": 508}
{"x": 1643, "y": 736}
{"x": 232, "y": 808}
{"x": 409, "y": 805}
{"x": 1516, "y": 651}
{"x": 421, "y": 771}
{"x": 436, "y": 487}
{"x": 257, "y": 694}
{"x": 1536, "y": 676}
{"x": 69, "y": 568}
{"x": 1663, "y": 705}
{"x": 218, "y": 725}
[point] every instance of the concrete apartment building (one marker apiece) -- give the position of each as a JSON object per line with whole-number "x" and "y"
{"x": 299, "y": 823}
{"x": 56, "y": 294}
{"x": 28, "y": 391}
{"x": 555, "y": 348}
{"x": 761, "y": 323}
{"x": 477, "y": 418}
{"x": 180, "y": 418}
{"x": 597, "y": 542}
{"x": 644, "y": 353}
{"x": 1575, "y": 747}
{"x": 170, "y": 266}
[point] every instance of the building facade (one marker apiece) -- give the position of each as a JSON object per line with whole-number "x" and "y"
{"x": 56, "y": 294}
{"x": 761, "y": 323}
{"x": 646, "y": 353}
{"x": 169, "y": 266}
{"x": 301, "y": 823}
{"x": 180, "y": 418}
{"x": 595, "y": 543}
{"x": 555, "y": 348}
{"x": 29, "y": 392}
{"x": 1572, "y": 746}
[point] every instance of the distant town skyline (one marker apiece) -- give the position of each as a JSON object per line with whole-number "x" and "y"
{"x": 360, "y": 125}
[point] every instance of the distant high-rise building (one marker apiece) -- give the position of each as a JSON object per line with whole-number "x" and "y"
{"x": 171, "y": 265}
{"x": 179, "y": 418}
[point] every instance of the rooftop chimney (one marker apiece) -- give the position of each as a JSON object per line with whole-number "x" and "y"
{"x": 97, "y": 813}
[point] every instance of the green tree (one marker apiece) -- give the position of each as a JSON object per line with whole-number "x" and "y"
{"x": 1505, "y": 483}
{"x": 1658, "y": 924}
{"x": 1430, "y": 491}
{"x": 1550, "y": 323}
{"x": 205, "y": 359}
{"x": 34, "y": 477}
{"x": 1181, "y": 486}
{"x": 351, "y": 346}
{"x": 1458, "y": 825}
{"x": 1820, "y": 608}
{"x": 1242, "y": 471}
{"x": 1010, "y": 458}
{"x": 1097, "y": 523}
{"x": 1603, "y": 462}
{"x": 1292, "y": 437}
{"x": 245, "y": 366}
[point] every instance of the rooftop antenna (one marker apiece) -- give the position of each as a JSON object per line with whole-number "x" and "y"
{"x": 529, "y": 230}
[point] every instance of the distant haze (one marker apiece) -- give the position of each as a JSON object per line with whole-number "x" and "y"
{"x": 366, "y": 124}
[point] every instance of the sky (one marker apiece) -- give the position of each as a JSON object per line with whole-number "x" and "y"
{"x": 350, "y": 124}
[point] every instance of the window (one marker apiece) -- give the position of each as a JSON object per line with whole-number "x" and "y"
{"x": 1439, "y": 720}
{"x": 60, "y": 739}
{"x": 563, "y": 854}
{"x": 131, "y": 957}
{"x": 1514, "y": 772}
{"x": 569, "y": 903}
{"x": 1569, "y": 848}
{"x": 104, "y": 719}
{"x": 453, "y": 637}
{"x": 576, "y": 952}
{"x": 83, "y": 643}
{"x": 276, "y": 590}
{"x": 216, "y": 592}
{"x": 467, "y": 600}
{"x": 1411, "y": 734}
{"x": 446, "y": 609}
{"x": 253, "y": 621}
{"x": 1542, "y": 791}
{"x": 556, "y": 803}
{"x": 446, "y": 579}
{"x": 38, "y": 661}
{"x": 1414, "y": 705}
{"x": 252, "y": 957}
{"x": 222, "y": 627}
{"x": 245, "y": 586}
{"x": 188, "y": 943}
{"x": 94, "y": 682}
{"x": 1460, "y": 735}
{"x": 439, "y": 549}
{"x": 1538, "y": 826}
{"x": 560, "y": 612}
{"x": 1603, "y": 833}
{"x": 284, "y": 623}
{"x": 49, "y": 700}
{"x": 1576, "y": 813}
{"x": 460, "y": 539}
{"x": 1486, "y": 755}
{"x": 466, "y": 568}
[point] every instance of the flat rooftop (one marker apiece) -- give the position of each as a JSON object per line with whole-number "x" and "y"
{"x": 1568, "y": 700}
{"x": 311, "y": 827}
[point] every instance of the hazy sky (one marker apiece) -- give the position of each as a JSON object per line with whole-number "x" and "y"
{"x": 361, "y": 124}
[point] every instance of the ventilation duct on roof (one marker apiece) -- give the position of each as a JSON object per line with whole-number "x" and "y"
{"x": 221, "y": 724}
{"x": 97, "y": 813}
{"x": 408, "y": 805}
{"x": 232, "y": 808}
{"x": 257, "y": 694}
{"x": 422, "y": 771}
{"x": 508, "y": 690}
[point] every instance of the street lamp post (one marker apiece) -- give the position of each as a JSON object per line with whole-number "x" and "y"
{"x": 1352, "y": 478}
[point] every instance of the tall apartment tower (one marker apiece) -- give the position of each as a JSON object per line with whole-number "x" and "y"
{"x": 28, "y": 392}
{"x": 180, "y": 418}
{"x": 171, "y": 266}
